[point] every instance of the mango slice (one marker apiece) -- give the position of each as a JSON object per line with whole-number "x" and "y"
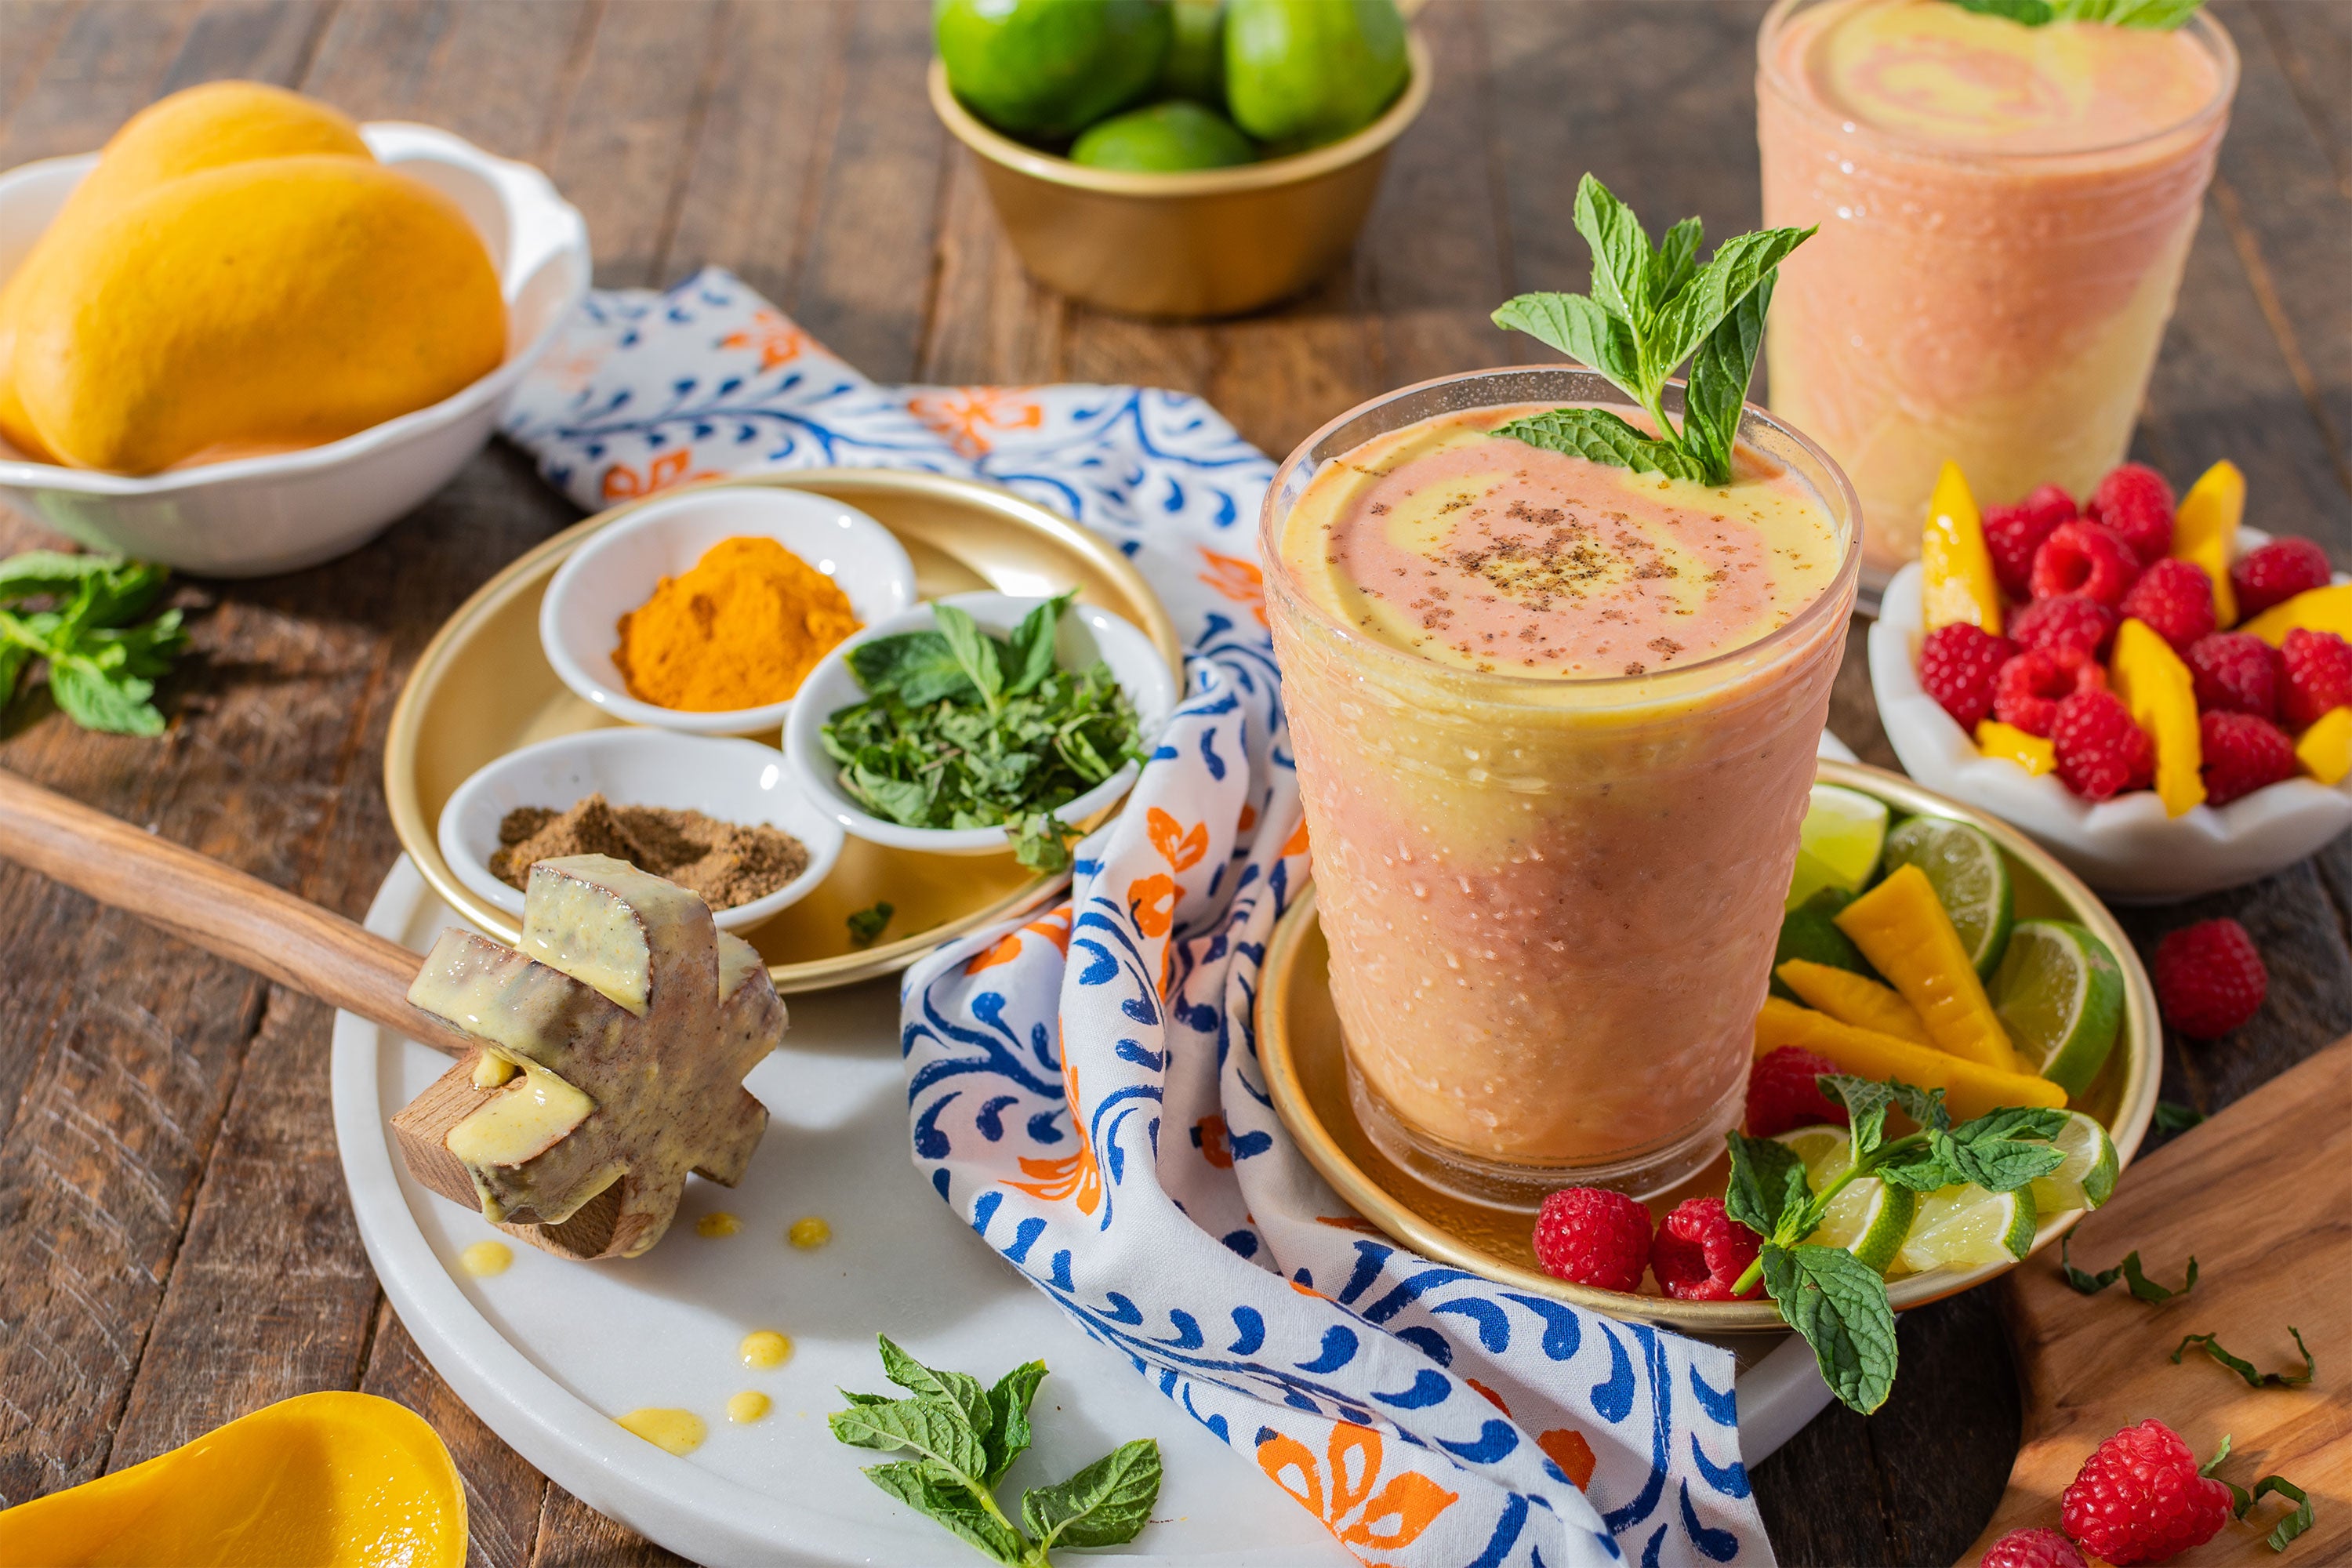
{"x": 1852, "y": 998}
{"x": 1961, "y": 584}
{"x": 327, "y": 1480}
{"x": 2326, "y": 748}
{"x": 2028, "y": 751}
{"x": 2205, "y": 532}
{"x": 2162, "y": 697}
{"x": 1970, "y": 1090}
{"x": 1901, "y": 927}
{"x": 2327, "y": 609}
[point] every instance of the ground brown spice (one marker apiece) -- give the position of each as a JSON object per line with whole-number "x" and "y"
{"x": 728, "y": 863}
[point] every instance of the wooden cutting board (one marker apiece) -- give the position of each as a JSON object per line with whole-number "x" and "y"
{"x": 2262, "y": 1194}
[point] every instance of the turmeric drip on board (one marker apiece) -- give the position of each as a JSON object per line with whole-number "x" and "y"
{"x": 741, "y": 630}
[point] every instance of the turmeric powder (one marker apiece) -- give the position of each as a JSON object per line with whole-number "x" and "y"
{"x": 743, "y": 629}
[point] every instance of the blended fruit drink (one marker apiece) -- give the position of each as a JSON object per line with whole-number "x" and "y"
{"x": 1554, "y": 725}
{"x": 2005, "y": 211}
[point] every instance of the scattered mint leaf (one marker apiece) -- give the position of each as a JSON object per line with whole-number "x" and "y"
{"x": 1839, "y": 1304}
{"x": 960, "y": 1391}
{"x": 931, "y": 1427}
{"x": 2141, "y": 1287}
{"x": 866, "y": 925}
{"x": 2172, "y": 1116}
{"x": 2245, "y": 1368}
{"x": 1767, "y": 1183}
{"x": 948, "y": 1500}
{"x": 101, "y": 666}
{"x": 1106, "y": 1504}
{"x": 1041, "y": 842}
{"x": 2242, "y": 1501}
{"x": 1008, "y": 1433}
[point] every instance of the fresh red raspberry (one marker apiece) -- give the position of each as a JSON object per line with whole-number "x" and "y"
{"x": 1593, "y": 1237}
{"x": 2135, "y": 501}
{"x": 2014, "y": 533}
{"x": 2315, "y": 675}
{"x": 2064, "y": 620}
{"x": 1702, "y": 1251}
{"x": 2138, "y": 1497}
{"x": 2081, "y": 557}
{"x": 2175, "y": 598}
{"x": 2277, "y": 573}
{"x": 1782, "y": 1093}
{"x": 2235, "y": 673}
{"x": 2041, "y": 1547}
{"x": 1957, "y": 667}
{"x": 2030, "y": 687}
{"x": 2209, "y": 979}
{"x": 2100, "y": 750}
{"x": 2243, "y": 754}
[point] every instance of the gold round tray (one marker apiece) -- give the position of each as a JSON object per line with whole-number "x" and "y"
{"x": 1299, "y": 1048}
{"x": 482, "y": 688}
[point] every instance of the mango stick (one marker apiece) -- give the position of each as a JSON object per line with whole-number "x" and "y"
{"x": 1852, "y": 998}
{"x": 1969, "y": 1089}
{"x": 1901, "y": 927}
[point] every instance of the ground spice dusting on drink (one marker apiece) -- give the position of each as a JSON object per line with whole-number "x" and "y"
{"x": 728, "y": 863}
{"x": 743, "y": 629}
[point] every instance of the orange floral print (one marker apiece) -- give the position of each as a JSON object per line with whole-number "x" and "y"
{"x": 1216, "y": 1145}
{"x": 1183, "y": 850}
{"x": 1151, "y": 901}
{"x": 1238, "y": 580}
{"x": 1297, "y": 844}
{"x": 1055, "y": 928}
{"x": 1569, "y": 1450}
{"x": 1492, "y": 1397}
{"x": 1345, "y": 1497}
{"x": 965, "y": 415}
{"x": 622, "y": 482}
{"x": 778, "y": 340}
{"x": 1074, "y": 1175}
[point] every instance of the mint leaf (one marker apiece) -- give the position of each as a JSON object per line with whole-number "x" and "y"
{"x": 1008, "y": 1432}
{"x": 1580, "y": 329}
{"x": 1603, "y": 438}
{"x": 1106, "y": 1504}
{"x": 1033, "y": 643}
{"x": 95, "y": 701}
{"x": 917, "y": 668}
{"x": 960, "y": 1392}
{"x": 1865, "y": 1101}
{"x": 946, "y": 1498}
{"x": 1767, "y": 1183}
{"x": 1924, "y": 1105}
{"x": 1676, "y": 259}
{"x": 2294, "y": 1524}
{"x": 2033, "y": 13}
{"x": 1718, "y": 380}
{"x": 51, "y": 573}
{"x": 1918, "y": 1167}
{"x": 2245, "y": 1369}
{"x": 1620, "y": 253}
{"x": 2141, "y": 1287}
{"x": 2003, "y": 1149}
{"x": 1839, "y": 1304}
{"x": 866, "y": 925}
{"x": 1714, "y": 292}
{"x": 2172, "y": 1116}
{"x": 2157, "y": 15}
{"x": 974, "y": 650}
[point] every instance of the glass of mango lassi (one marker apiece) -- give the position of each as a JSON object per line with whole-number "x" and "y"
{"x": 2004, "y": 211}
{"x": 1554, "y": 725}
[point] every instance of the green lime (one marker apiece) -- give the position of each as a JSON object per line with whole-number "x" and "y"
{"x": 1195, "y": 67}
{"x": 1966, "y": 1227}
{"x": 1049, "y": 68}
{"x": 1811, "y": 934}
{"x": 1302, "y": 72}
{"x": 2087, "y": 1179}
{"x": 1970, "y": 877}
{"x": 2060, "y": 995}
{"x": 1838, "y": 844}
{"x": 1868, "y": 1218}
{"x": 1822, "y": 1149}
{"x": 1163, "y": 139}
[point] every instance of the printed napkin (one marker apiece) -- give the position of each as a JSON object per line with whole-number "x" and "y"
{"x": 1084, "y": 1089}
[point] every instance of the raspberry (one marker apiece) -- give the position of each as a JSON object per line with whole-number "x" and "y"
{"x": 2241, "y": 755}
{"x": 2014, "y": 533}
{"x": 2038, "y": 1548}
{"x": 2100, "y": 750}
{"x": 1593, "y": 1237}
{"x": 1702, "y": 1251}
{"x": 2135, "y": 501}
{"x": 2175, "y": 598}
{"x": 2209, "y": 979}
{"x": 2083, "y": 558}
{"x": 2277, "y": 573}
{"x": 2065, "y": 620}
{"x": 1782, "y": 1093}
{"x": 2030, "y": 687}
{"x": 1957, "y": 666}
{"x": 2138, "y": 1497}
{"x": 2235, "y": 673}
{"x": 2317, "y": 675}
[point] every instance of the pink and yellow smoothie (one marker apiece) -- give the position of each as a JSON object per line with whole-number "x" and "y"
{"x": 1555, "y": 724}
{"x": 2005, "y": 211}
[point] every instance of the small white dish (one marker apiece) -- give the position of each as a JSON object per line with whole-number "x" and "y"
{"x": 1085, "y": 634}
{"x": 2126, "y": 848}
{"x": 618, "y": 568}
{"x": 734, "y": 780}
{"x": 290, "y": 510}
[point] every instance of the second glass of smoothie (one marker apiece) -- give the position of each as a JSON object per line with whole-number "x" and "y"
{"x": 1554, "y": 725}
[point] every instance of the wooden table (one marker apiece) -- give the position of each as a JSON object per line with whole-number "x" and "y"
{"x": 147, "y": 1093}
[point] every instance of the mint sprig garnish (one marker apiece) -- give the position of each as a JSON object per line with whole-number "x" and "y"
{"x": 103, "y": 661}
{"x": 2136, "y": 1280}
{"x": 1651, "y": 307}
{"x": 2245, "y": 1368}
{"x": 965, "y": 1437}
{"x": 2160, "y": 16}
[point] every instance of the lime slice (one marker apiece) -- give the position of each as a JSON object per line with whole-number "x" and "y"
{"x": 1811, "y": 934}
{"x": 1838, "y": 846}
{"x": 1966, "y": 1227}
{"x": 2060, "y": 995}
{"x": 2087, "y": 1179}
{"x": 1868, "y": 1218}
{"x": 1970, "y": 879}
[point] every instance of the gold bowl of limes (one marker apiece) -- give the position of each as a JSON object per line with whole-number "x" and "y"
{"x": 1163, "y": 206}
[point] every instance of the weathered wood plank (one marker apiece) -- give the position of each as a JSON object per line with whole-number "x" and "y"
{"x": 503, "y": 1492}
{"x": 457, "y": 65}
{"x": 2313, "y": 46}
{"x": 573, "y": 1535}
{"x": 108, "y": 66}
{"x": 33, "y": 29}
{"x": 258, "y": 40}
{"x": 990, "y": 321}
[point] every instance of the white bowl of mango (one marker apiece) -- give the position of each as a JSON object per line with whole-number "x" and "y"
{"x": 250, "y": 333}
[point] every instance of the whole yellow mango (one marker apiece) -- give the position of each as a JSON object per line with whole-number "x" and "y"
{"x": 273, "y": 303}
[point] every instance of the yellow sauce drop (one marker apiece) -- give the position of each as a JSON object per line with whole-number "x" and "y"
{"x": 673, "y": 1431}
{"x": 719, "y": 1224}
{"x": 765, "y": 1348}
{"x": 485, "y": 1258}
{"x": 809, "y": 1232}
{"x": 749, "y": 1407}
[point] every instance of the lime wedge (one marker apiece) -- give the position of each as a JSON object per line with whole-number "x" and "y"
{"x": 1970, "y": 879}
{"x": 1838, "y": 846}
{"x": 1966, "y": 1227}
{"x": 2087, "y": 1179}
{"x": 2060, "y": 995}
{"x": 1868, "y": 1218}
{"x": 1822, "y": 1150}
